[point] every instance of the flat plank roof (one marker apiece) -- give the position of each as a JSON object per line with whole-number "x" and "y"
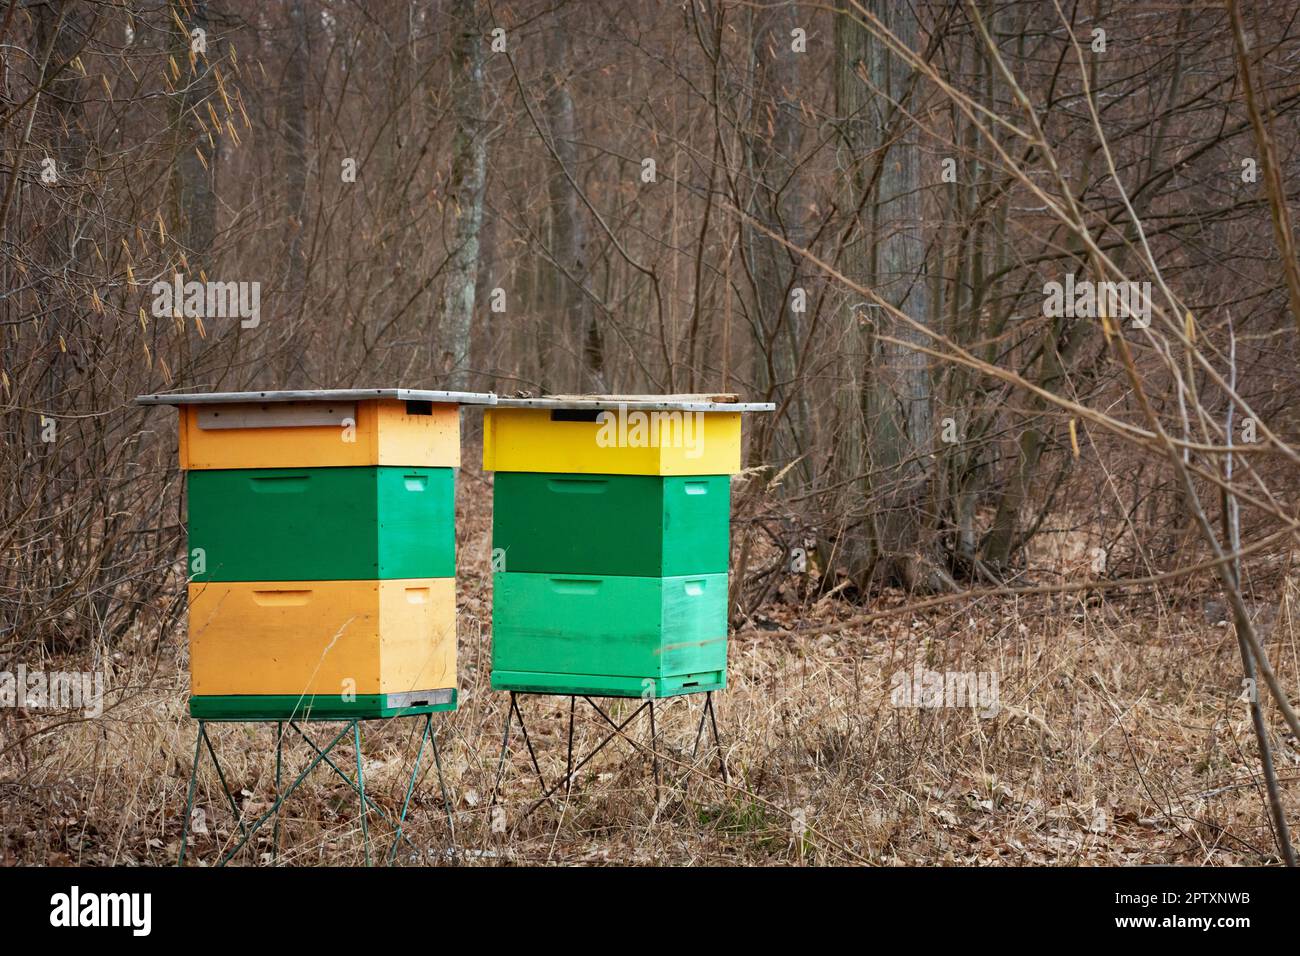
{"x": 319, "y": 395}
{"x": 643, "y": 403}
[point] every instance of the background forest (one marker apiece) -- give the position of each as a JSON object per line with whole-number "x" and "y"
{"x": 855, "y": 210}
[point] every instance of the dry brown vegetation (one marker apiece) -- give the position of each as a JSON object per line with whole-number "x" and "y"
{"x": 1120, "y": 739}
{"x": 1099, "y": 511}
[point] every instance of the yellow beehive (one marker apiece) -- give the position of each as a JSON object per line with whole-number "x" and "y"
{"x": 313, "y": 434}
{"x": 632, "y": 441}
{"x": 322, "y": 638}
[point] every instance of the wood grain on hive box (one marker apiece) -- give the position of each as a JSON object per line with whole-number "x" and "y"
{"x": 580, "y": 441}
{"x": 289, "y": 435}
{"x": 615, "y": 635}
{"x": 290, "y": 524}
{"x": 322, "y": 637}
{"x": 640, "y": 525}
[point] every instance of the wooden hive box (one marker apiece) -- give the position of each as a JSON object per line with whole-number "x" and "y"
{"x": 322, "y": 552}
{"x": 329, "y": 524}
{"x": 611, "y": 543}
{"x": 644, "y": 525}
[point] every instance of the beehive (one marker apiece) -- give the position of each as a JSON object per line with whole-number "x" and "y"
{"x": 611, "y": 544}
{"x": 322, "y": 551}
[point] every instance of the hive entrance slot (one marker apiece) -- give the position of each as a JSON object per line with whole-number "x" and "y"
{"x": 575, "y": 414}
{"x": 419, "y": 408}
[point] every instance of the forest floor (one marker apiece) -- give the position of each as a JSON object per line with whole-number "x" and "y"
{"x": 1119, "y": 737}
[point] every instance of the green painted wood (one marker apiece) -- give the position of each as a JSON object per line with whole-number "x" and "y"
{"x": 317, "y": 707}
{"x": 637, "y": 525}
{"x": 322, "y": 524}
{"x": 598, "y": 685}
{"x": 566, "y": 631}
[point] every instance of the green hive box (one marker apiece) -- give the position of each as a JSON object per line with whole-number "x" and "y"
{"x": 609, "y": 635}
{"x": 638, "y": 525}
{"x": 322, "y": 524}
{"x": 320, "y": 706}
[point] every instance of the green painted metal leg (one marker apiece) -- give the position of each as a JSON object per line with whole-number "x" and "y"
{"x": 338, "y": 771}
{"x": 189, "y": 799}
{"x": 361, "y": 789}
{"x": 282, "y": 797}
{"x": 279, "y": 750}
{"x": 221, "y": 775}
{"x": 410, "y": 788}
{"x": 446, "y": 801}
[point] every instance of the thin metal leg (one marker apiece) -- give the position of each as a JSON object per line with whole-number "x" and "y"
{"x": 532, "y": 754}
{"x": 505, "y": 744}
{"x": 338, "y": 772}
{"x": 361, "y": 789}
{"x": 230, "y": 797}
{"x": 279, "y": 750}
{"x": 568, "y": 760}
{"x": 442, "y": 785}
{"x": 717, "y": 740}
{"x": 699, "y": 730}
{"x": 189, "y": 799}
{"x": 654, "y": 751}
{"x": 410, "y": 787}
{"x": 320, "y": 755}
{"x": 618, "y": 728}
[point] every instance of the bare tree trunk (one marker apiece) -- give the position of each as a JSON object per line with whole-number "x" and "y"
{"x": 855, "y": 547}
{"x": 568, "y": 219}
{"x": 455, "y": 308}
{"x": 295, "y": 135}
{"x": 899, "y": 397}
{"x": 294, "y": 113}
{"x": 772, "y": 145}
{"x": 194, "y": 171}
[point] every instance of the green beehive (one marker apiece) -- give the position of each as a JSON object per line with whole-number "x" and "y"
{"x": 643, "y": 525}
{"x": 322, "y": 524}
{"x": 611, "y": 579}
{"x": 612, "y": 635}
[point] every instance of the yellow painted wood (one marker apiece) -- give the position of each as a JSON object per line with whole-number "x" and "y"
{"x": 322, "y": 637}
{"x": 531, "y": 439}
{"x": 384, "y": 435}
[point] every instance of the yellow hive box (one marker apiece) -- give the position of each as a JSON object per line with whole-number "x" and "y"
{"x": 313, "y": 434}
{"x": 322, "y": 637}
{"x": 611, "y": 441}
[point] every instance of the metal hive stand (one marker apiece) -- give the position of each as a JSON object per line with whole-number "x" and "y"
{"x": 570, "y": 769}
{"x": 357, "y": 784}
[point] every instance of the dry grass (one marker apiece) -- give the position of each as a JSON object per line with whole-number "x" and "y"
{"x": 1120, "y": 739}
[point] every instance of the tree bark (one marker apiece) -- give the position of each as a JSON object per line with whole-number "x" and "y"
{"x": 568, "y": 219}
{"x": 455, "y": 307}
{"x": 899, "y": 397}
{"x": 771, "y": 145}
